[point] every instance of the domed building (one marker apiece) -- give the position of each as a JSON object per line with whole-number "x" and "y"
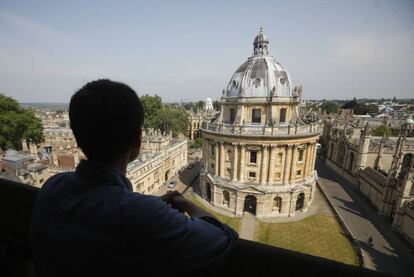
{"x": 258, "y": 155}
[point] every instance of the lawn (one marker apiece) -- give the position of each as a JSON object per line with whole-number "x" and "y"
{"x": 318, "y": 235}
{"x": 235, "y": 223}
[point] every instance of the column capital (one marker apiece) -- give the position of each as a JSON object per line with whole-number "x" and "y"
{"x": 265, "y": 146}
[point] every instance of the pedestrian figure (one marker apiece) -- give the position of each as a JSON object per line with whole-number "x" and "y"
{"x": 370, "y": 243}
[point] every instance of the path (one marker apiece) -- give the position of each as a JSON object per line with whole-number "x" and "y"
{"x": 389, "y": 254}
{"x": 247, "y": 226}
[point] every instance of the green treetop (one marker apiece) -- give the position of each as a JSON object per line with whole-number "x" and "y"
{"x": 18, "y": 123}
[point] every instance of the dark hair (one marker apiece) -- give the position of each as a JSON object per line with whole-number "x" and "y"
{"x": 105, "y": 117}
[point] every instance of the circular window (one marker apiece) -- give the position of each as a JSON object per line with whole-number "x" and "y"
{"x": 234, "y": 83}
{"x": 257, "y": 82}
{"x": 282, "y": 81}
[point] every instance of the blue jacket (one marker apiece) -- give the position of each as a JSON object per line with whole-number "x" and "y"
{"x": 91, "y": 222}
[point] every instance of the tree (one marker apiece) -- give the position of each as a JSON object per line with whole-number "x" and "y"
{"x": 379, "y": 131}
{"x": 189, "y": 106}
{"x": 330, "y": 107}
{"x": 198, "y": 142}
{"x": 164, "y": 117}
{"x": 152, "y": 108}
{"x": 172, "y": 119}
{"x": 217, "y": 105}
{"x": 200, "y": 105}
{"x": 363, "y": 109}
{"x": 18, "y": 123}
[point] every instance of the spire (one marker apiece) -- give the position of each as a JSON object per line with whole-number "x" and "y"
{"x": 366, "y": 131}
{"x": 392, "y": 173}
{"x": 260, "y": 44}
{"x": 380, "y": 150}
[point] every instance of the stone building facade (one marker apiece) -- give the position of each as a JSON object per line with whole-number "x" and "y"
{"x": 259, "y": 156}
{"x": 21, "y": 167}
{"x": 381, "y": 167}
{"x": 195, "y": 121}
{"x": 160, "y": 159}
{"x": 197, "y": 118}
{"x": 59, "y": 151}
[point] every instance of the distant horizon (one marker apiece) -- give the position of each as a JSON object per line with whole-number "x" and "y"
{"x": 189, "y": 50}
{"x": 164, "y": 102}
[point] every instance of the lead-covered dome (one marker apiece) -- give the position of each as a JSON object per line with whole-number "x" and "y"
{"x": 261, "y": 75}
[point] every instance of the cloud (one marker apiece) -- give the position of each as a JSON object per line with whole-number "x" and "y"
{"x": 374, "y": 49}
{"x": 19, "y": 23}
{"x": 39, "y": 62}
{"x": 369, "y": 65}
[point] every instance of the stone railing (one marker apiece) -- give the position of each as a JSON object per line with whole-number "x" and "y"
{"x": 266, "y": 130}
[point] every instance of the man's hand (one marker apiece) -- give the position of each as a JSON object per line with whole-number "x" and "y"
{"x": 169, "y": 195}
{"x": 177, "y": 201}
{"x": 184, "y": 205}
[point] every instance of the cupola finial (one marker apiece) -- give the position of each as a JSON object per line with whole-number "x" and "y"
{"x": 260, "y": 44}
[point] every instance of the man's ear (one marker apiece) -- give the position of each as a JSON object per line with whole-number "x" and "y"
{"x": 135, "y": 146}
{"x": 139, "y": 138}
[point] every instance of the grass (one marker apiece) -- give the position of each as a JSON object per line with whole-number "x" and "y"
{"x": 234, "y": 223}
{"x": 318, "y": 235}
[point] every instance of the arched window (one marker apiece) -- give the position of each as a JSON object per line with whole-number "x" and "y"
{"x": 331, "y": 150}
{"x": 405, "y": 165}
{"x": 226, "y": 198}
{"x": 351, "y": 161}
{"x": 232, "y": 115}
{"x": 300, "y": 201}
{"x": 282, "y": 117}
{"x": 279, "y": 158}
{"x": 208, "y": 192}
{"x": 407, "y": 160}
{"x": 256, "y": 115}
{"x": 277, "y": 204}
{"x": 341, "y": 154}
{"x": 228, "y": 156}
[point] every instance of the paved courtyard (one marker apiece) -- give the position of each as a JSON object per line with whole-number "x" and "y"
{"x": 390, "y": 254}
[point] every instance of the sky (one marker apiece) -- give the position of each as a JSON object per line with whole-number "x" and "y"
{"x": 189, "y": 50}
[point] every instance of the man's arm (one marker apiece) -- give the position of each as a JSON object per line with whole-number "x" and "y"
{"x": 200, "y": 242}
{"x": 178, "y": 202}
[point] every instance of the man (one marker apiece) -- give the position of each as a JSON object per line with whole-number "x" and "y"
{"x": 90, "y": 222}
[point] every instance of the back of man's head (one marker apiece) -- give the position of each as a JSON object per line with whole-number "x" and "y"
{"x": 106, "y": 118}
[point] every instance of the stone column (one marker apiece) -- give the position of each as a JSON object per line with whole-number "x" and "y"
{"x": 222, "y": 158}
{"x": 205, "y": 154}
{"x": 242, "y": 162}
{"x": 216, "y": 162}
{"x": 272, "y": 164}
{"x": 307, "y": 160}
{"x": 242, "y": 115}
{"x": 286, "y": 166}
{"x": 313, "y": 158}
{"x": 293, "y": 163}
{"x": 235, "y": 160}
{"x": 263, "y": 167}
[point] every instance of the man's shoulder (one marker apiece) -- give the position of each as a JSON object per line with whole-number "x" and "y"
{"x": 51, "y": 183}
